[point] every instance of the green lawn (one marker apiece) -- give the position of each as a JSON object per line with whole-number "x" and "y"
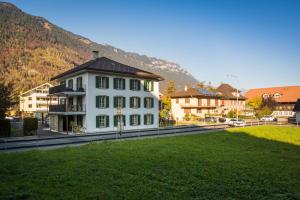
{"x": 237, "y": 164}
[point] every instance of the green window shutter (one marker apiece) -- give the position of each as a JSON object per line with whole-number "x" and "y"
{"x": 145, "y": 102}
{"x": 97, "y": 101}
{"x": 124, "y": 84}
{"x": 145, "y": 85}
{"x": 97, "y": 81}
{"x": 152, "y": 102}
{"x": 152, "y": 85}
{"x": 145, "y": 116}
{"x": 107, "y": 82}
{"x": 124, "y": 102}
{"x": 97, "y": 121}
{"x": 139, "y": 102}
{"x": 131, "y": 120}
{"x": 115, "y": 83}
{"x": 107, "y": 101}
{"x": 152, "y": 119}
{"x": 131, "y": 84}
{"x": 115, "y": 102}
{"x": 107, "y": 120}
{"x": 131, "y": 102}
{"x": 139, "y": 85}
{"x": 139, "y": 119}
{"x": 115, "y": 120}
{"x": 124, "y": 120}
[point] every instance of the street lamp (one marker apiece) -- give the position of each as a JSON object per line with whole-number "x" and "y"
{"x": 237, "y": 95}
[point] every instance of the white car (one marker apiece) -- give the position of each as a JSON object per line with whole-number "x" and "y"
{"x": 268, "y": 118}
{"x": 234, "y": 122}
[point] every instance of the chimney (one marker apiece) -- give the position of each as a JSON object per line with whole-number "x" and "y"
{"x": 185, "y": 88}
{"x": 95, "y": 54}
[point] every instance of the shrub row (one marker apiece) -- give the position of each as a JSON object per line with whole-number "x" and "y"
{"x": 30, "y": 125}
{"x": 5, "y": 129}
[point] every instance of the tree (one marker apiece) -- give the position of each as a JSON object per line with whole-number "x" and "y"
{"x": 261, "y": 106}
{"x": 166, "y": 100}
{"x": 6, "y": 98}
{"x": 265, "y": 110}
{"x": 255, "y": 103}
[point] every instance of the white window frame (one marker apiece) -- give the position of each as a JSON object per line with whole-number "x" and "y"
{"x": 135, "y": 120}
{"x": 102, "y": 101}
{"x": 119, "y": 84}
{"x": 102, "y": 121}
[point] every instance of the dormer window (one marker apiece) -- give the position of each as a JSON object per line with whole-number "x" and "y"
{"x": 265, "y": 96}
{"x": 277, "y": 95}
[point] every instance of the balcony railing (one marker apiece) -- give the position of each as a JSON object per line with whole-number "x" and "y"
{"x": 63, "y": 88}
{"x": 66, "y": 108}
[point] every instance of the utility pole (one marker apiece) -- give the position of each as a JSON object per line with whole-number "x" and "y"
{"x": 237, "y": 95}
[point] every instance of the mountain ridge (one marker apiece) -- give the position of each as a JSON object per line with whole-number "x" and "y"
{"x": 34, "y": 50}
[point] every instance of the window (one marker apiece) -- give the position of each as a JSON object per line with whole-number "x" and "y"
{"x": 135, "y": 84}
{"x": 135, "y": 120}
{"x": 63, "y": 82}
{"x": 199, "y": 102}
{"x": 177, "y": 100}
{"x": 148, "y": 85}
{"x": 277, "y": 95}
{"x": 265, "y": 96}
{"x": 29, "y": 98}
{"x": 79, "y": 120}
{"x": 79, "y": 83}
{"x": 102, "y": 82}
{"x": 70, "y": 84}
{"x": 119, "y": 102}
{"x": 119, "y": 83}
{"x": 187, "y": 100}
{"x": 102, "y": 101}
{"x": 119, "y": 119}
{"x": 102, "y": 121}
{"x": 148, "y": 102}
{"x": 148, "y": 119}
{"x": 29, "y": 105}
{"x": 187, "y": 111}
{"x": 135, "y": 102}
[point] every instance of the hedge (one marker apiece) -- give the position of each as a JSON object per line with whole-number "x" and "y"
{"x": 30, "y": 125}
{"x": 5, "y": 129}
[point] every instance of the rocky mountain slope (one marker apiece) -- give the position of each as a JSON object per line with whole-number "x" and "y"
{"x": 33, "y": 50}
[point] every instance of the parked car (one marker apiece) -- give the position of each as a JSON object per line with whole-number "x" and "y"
{"x": 235, "y": 122}
{"x": 268, "y": 118}
{"x": 222, "y": 119}
{"x": 209, "y": 119}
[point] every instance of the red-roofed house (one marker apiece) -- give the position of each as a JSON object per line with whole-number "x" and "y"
{"x": 286, "y": 98}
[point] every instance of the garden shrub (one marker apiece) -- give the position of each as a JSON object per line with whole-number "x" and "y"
{"x": 5, "y": 129}
{"x": 30, "y": 125}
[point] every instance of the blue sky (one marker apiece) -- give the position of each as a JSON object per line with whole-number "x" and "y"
{"x": 256, "y": 40}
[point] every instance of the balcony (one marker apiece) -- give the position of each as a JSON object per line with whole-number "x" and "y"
{"x": 61, "y": 90}
{"x": 195, "y": 105}
{"x": 65, "y": 109}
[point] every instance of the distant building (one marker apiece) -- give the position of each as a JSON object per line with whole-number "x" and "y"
{"x": 231, "y": 98}
{"x": 34, "y": 102}
{"x": 285, "y": 97}
{"x": 103, "y": 95}
{"x": 297, "y": 110}
{"x": 195, "y": 101}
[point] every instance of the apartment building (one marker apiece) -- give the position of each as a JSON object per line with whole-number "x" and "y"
{"x": 285, "y": 98}
{"x": 103, "y": 95}
{"x": 195, "y": 101}
{"x": 34, "y": 102}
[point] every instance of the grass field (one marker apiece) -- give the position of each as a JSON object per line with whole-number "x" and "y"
{"x": 244, "y": 163}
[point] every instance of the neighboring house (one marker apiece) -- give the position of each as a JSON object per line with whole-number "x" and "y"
{"x": 195, "y": 101}
{"x": 231, "y": 99}
{"x": 285, "y": 97}
{"x": 103, "y": 95}
{"x": 34, "y": 102}
{"x": 297, "y": 110}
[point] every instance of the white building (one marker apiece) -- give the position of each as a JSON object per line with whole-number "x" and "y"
{"x": 103, "y": 95}
{"x": 34, "y": 102}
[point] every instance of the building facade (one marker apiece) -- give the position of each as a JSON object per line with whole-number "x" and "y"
{"x": 297, "y": 111}
{"x": 103, "y": 95}
{"x": 232, "y": 99}
{"x": 195, "y": 102}
{"x": 285, "y": 98}
{"x": 34, "y": 102}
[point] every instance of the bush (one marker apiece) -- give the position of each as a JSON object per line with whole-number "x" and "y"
{"x": 5, "y": 129}
{"x": 187, "y": 117}
{"x": 30, "y": 125}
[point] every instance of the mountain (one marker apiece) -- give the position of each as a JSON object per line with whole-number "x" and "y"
{"x": 33, "y": 50}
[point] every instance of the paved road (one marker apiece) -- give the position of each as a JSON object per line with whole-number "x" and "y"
{"x": 61, "y": 141}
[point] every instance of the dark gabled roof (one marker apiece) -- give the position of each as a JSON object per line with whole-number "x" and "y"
{"x": 297, "y": 106}
{"x": 226, "y": 90}
{"x": 107, "y": 65}
{"x": 195, "y": 92}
